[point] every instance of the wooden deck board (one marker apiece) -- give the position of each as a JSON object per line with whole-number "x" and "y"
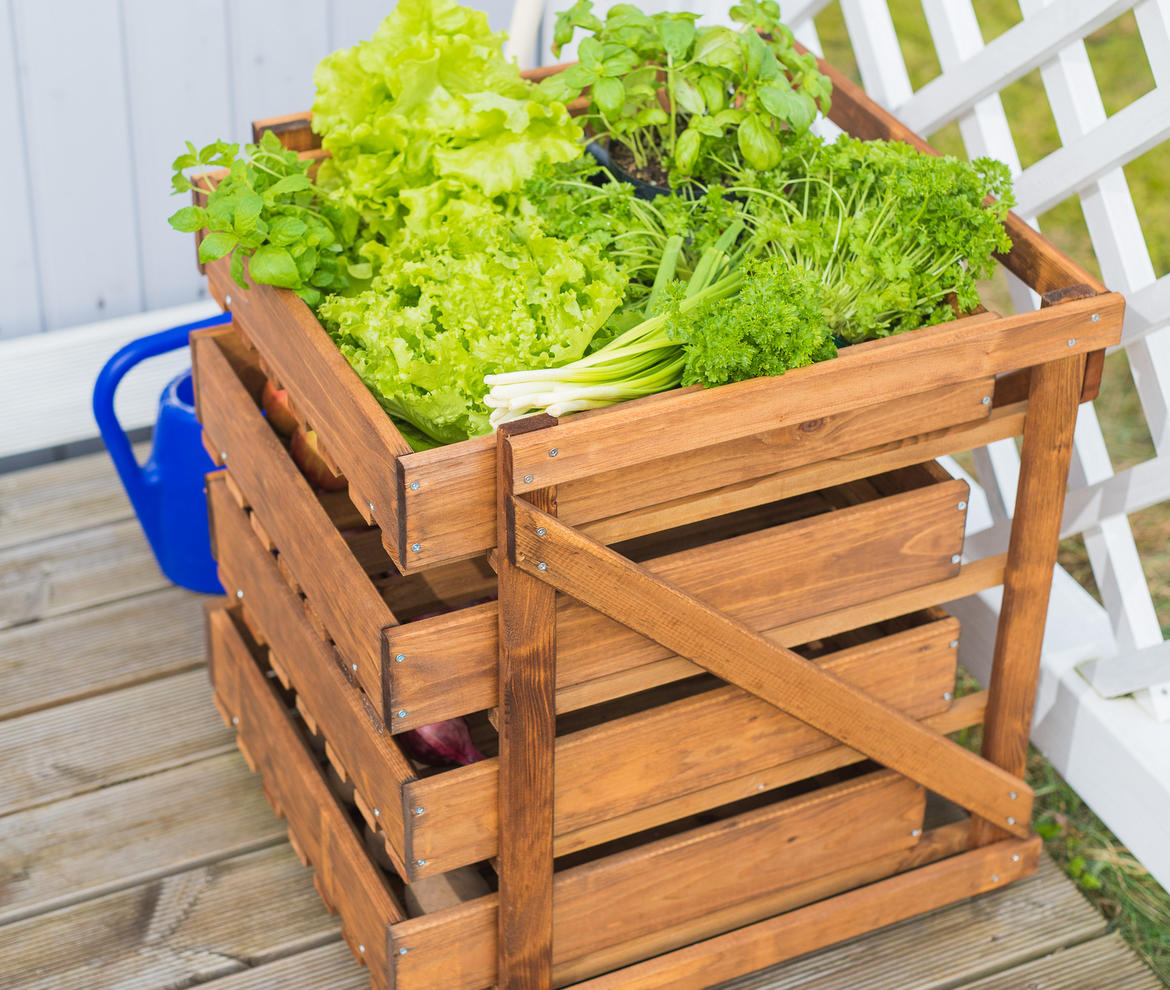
{"x": 125, "y": 865}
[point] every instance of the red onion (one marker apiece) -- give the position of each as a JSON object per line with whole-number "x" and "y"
{"x": 441, "y": 744}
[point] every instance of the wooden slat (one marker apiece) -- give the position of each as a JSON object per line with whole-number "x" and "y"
{"x": 86, "y": 745}
{"x": 1107, "y": 963}
{"x": 165, "y": 823}
{"x": 1044, "y": 463}
{"x": 346, "y": 878}
{"x": 527, "y": 726}
{"x": 966, "y": 712}
{"x": 355, "y": 732}
{"x": 1033, "y": 258}
{"x": 934, "y": 357}
{"x": 608, "y": 774}
{"x": 89, "y": 652}
{"x": 831, "y": 920}
{"x": 329, "y": 966}
{"x": 676, "y": 879}
{"x": 79, "y": 493}
{"x": 74, "y": 571}
{"x": 327, "y": 392}
{"x": 336, "y": 586}
{"x": 729, "y": 649}
{"x": 178, "y": 930}
{"x": 766, "y": 579}
{"x": 465, "y": 473}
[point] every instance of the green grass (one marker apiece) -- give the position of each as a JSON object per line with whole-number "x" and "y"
{"x": 1102, "y": 867}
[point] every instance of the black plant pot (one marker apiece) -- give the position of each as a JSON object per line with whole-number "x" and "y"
{"x": 642, "y": 188}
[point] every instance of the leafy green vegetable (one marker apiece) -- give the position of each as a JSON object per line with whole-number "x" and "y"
{"x": 669, "y": 91}
{"x": 267, "y": 210}
{"x": 428, "y": 111}
{"x": 444, "y": 315}
{"x": 892, "y": 234}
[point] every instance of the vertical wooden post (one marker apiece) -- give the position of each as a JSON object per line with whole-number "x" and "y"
{"x": 1053, "y": 396}
{"x": 527, "y": 726}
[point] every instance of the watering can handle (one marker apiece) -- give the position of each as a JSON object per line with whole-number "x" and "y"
{"x": 108, "y": 379}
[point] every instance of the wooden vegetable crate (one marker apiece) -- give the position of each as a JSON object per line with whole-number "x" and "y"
{"x": 696, "y": 635}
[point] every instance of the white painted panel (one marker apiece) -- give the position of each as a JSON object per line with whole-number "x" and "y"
{"x": 351, "y": 21}
{"x": 176, "y": 60}
{"x": 46, "y": 380}
{"x": 73, "y": 84}
{"x": 273, "y": 53}
{"x": 21, "y": 312}
{"x": 875, "y": 45}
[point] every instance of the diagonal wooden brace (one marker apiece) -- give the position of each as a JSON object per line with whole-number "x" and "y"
{"x": 617, "y": 587}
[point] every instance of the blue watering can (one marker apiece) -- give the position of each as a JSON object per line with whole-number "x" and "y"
{"x": 167, "y": 491}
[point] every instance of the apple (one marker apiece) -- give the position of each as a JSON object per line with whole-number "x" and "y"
{"x": 304, "y": 451}
{"x": 275, "y": 404}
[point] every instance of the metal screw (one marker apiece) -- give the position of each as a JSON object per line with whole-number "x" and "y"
{"x": 402, "y": 713}
{"x": 416, "y": 547}
{"x": 223, "y": 456}
{"x": 1072, "y": 342}
{"x": 955, "y": 559}
{"x": 553, "y": 452}
{"x": 370, "y": 505}
{"x": 962, "y": 506}
{"x": 361, "y": 948}
{"x": 377, "y": 813}
{"x": 227, "y": 300}
{"x": 1011, "y": 820}
{"x": 235, "y": 720}
{"x": 528, "y": 479}
{"x": 419, "y": 810}
{"x": 995, "y": 879}
{"x": 1096, "y": 317}
{"x": 987, "y": 400}
{"x": 916, "y": 832}
{"x": 399, "y": 657}
{"x": 414, "y": 486}
{"x": 239, "y": 592}
{"x": 541, "y": 531}
{"x": 354, "y": 665}
{"x": 542, "y": 566}
{"x": 420, "y": 862}
{"x": 1013, "y": 795}
{"x": 402, "y": 951}
{"x": 947, "y": 695}
{"x": 954, "y": 644}
{"x": 1015, "y": 857}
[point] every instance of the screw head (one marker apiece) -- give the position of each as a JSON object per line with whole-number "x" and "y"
{"x": 370, "y": 506}
{"x": 414, "y": 486}
{"x": 377, "y": 813}
{"x": 542, "y": 566}
{"x": 995, "y": 879}
{"x": 1015, "y": 857}
{"x": 528, "y": 479}
{"x": 399, "y": 657}
{"x": 223, "y": 456}
{"x": 987, "y": 400}
{"x": 961, "y": 506}
{"x": 1072, "y": 342}
{"x": 953, "y": 644}
{"x": 1013, "y": 795}
{"x": 416, "y": 547}
{"x": 227, "y": 300}
{"x": 420, "y": 862}
{"x": 354, "y": 666}
{"x": 947, "y": 695}
{"x": 402, "y": 713}
{"x": 402, "y": 951}
{"x": 1011, "y": 820}
{"x": 235, "y": 720}
{"x": 239, "y": 592}
{"x": 916, "y": 832}
{"x": 553, "y": 452}
{"x": 1096, "y": 317}
{"x": 955, "y": 559}
{"x": 419, "y": 810}
{"x": 361, "y": 948}
{"x": 540, "y": 531}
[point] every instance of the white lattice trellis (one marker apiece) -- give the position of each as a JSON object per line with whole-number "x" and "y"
{"x": 1111, "y": 739}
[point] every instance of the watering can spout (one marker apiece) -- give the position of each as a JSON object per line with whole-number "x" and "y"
{"x": 166, "y": 491}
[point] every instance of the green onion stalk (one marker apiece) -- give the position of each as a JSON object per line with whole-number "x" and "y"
{"x": 644, "y": 360}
